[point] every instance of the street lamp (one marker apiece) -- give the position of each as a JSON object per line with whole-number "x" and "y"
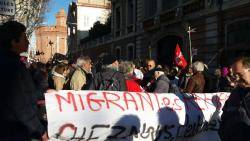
{"x": 51, "y": 43}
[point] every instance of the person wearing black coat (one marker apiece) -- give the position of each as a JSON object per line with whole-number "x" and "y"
{"x": 235, "y": 120}
{"x": 19, "y": 118}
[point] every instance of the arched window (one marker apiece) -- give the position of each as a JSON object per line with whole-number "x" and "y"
{"x": 130, "y": 12}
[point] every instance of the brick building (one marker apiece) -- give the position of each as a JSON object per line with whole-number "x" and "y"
{"x": 152, "y": 28}
{"x": 52, "y": 39}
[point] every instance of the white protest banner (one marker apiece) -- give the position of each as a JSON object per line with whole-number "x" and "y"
{"x": 127, "y": 116}
{"x": 7, "y": 7}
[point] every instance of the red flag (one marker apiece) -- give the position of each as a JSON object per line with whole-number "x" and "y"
{"x": 179, "y": 59}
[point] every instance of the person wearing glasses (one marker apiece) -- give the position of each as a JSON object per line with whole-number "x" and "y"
{"x": 235, "y": 120}
{"x": 19, "y": 118}
{"x": 82, "y": 77}
{"x": 148, "y": 82}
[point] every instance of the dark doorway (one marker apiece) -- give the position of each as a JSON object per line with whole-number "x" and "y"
{"x": 166, "y": 48}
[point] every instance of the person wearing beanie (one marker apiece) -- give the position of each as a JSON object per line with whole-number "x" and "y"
{"x": 162, "y": 82}
{"x": 109, "y": 78}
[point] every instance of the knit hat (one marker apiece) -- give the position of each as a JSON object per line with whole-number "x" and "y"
{"x": 159, "y": 69}
{"x": 108, "y": 59}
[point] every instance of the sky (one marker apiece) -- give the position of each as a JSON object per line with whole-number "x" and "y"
{"x": 54, "y": 7}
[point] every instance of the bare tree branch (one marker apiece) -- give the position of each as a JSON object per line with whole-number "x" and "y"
{"x": 29, "y": 12}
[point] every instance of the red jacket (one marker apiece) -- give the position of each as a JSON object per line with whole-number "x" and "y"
{"x": 132, "y": 86}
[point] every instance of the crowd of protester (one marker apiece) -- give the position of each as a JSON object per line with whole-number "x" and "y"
{"x": 119, "y": 75}
{"x": 83, "y": 75}
{"x": 150, "y": 77}
{"x": 30, "y": 82}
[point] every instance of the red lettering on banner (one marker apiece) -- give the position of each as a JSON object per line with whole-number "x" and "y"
{"x": 205, "y": 97}
{"x": 148, "y": 101}
{"x": 70, "y": 100}
{"x": 196, "y": 99}
{"x": 91, "y": 100}
{"x": 80, "y": 98}
{"x": 220, "y": 96}
{"x": 224, "y": 96}
{"x": 157, "y": 100}
{"x": 126, "y": 100}
{"x": 166, "y": 101}
{"x": 112, "y": 101}
{"x": 175, "y": 101}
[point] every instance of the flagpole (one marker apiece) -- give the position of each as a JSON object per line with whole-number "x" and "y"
{"x": 190, "y": 45}
{"x": 150, "y": 51}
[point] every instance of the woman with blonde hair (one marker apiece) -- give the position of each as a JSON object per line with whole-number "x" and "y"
{"x": 59, "y": 76}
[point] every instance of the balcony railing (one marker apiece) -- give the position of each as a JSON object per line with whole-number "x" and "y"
{"x": 194, "y": 6}
{"x": 97, "y": 42}
{"x": 148, "y": 23}
{"x": 167, "y": 16}
{"x": 175, "y": 13}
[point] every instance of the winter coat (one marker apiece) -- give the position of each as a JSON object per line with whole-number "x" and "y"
{"x": 235, "y": 120}
{"x": 196, "y": 83}
{"x": 148, "y": 82}
{"x": 162, "y": 84}
{"x": 19, "y": 117}
{"x": 80, "y": 80}
{"x": 132, "y": 85}
{"x": 59, "y": 80}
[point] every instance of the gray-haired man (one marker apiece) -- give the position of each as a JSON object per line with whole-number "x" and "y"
{"x": 82, "y": 77}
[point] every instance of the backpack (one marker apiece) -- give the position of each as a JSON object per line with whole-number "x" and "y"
{"x": 111, "y": 83}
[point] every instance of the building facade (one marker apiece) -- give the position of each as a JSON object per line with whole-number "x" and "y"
{"x": 52, "y": 39}
{"x": 82, "y": 14}
{"x": 152, "y": 28}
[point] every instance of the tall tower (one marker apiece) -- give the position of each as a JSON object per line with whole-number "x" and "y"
{"x": 52, "y": 39}
{"x": 61, "y": 18}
